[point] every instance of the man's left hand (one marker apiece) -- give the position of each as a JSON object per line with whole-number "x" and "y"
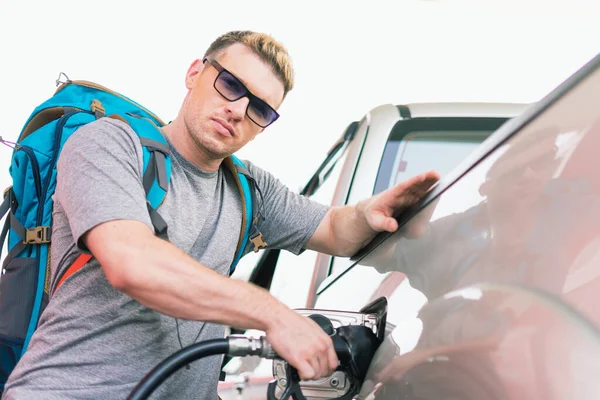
{"x": 346, "y": 229}
{"x": 379, "y": 210}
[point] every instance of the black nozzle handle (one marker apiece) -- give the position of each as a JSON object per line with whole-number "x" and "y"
{"x": 339, "y": 344}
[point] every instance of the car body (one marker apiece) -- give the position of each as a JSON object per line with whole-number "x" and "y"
{"x": 489, "y": 286}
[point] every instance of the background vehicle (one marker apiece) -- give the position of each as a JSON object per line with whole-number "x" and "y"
{"x": 390, "y": 144}
{"x": 497, "y": 299}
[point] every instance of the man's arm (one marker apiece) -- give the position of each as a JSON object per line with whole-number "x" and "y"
{"x": 347, "y": 229}
{"x": 160, "y": 276}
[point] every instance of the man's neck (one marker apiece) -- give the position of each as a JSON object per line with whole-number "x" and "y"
{"x": 177, "y": 133}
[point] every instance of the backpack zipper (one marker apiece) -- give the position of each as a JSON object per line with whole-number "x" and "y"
{"x": 96, "y": 86}
{"x": 36, "y": 169}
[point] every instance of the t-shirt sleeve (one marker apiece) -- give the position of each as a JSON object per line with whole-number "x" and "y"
{"x": 290, "y": 219}
{"x": 99, "y": 177}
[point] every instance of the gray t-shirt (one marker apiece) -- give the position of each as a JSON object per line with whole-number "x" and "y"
{"x": 94, "y": 342}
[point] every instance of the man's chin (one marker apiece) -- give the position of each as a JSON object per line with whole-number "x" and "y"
{"x": 217, "y": 153}
{"x": 213, "y": 148}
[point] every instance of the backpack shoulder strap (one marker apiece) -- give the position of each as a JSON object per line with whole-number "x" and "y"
{"x": 250, "y": 212}
{"x": 157, "y": 166}
{"x": 156, "y": 176}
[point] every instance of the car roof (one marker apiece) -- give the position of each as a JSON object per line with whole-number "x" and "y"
{"x": 465, "y": 109}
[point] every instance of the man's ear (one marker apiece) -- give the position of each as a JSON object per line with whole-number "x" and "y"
{"x": 192, "y": 73}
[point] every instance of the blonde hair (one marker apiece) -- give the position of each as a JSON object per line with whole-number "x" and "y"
{"x": 267, "y": 48}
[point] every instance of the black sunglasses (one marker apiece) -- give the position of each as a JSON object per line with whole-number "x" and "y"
{"x": 232, "y": 89}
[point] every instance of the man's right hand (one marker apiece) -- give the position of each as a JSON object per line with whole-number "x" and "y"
{"x": 303, "y": 344}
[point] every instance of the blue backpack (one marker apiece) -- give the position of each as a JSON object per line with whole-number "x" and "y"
{"x": 25, "y": 277}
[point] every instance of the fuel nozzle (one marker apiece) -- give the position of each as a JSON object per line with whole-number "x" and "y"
{"x": 355, "y": 346}
{"x": 354, "y": 343}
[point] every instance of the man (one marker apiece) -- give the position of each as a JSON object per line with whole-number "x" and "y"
{"x": 142, "y": 298}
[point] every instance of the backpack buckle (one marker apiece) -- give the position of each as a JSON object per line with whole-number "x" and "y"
{"x": 98, "y": 109}
{"x": 38, "y": 235}
{"x": 258, "y": 242}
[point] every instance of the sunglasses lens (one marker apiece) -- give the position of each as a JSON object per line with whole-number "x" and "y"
{"x": 229, "y": 86}
{"x": 261, "y": 113}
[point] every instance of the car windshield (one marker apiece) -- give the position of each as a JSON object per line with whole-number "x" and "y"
{"x": 421, "y": 151}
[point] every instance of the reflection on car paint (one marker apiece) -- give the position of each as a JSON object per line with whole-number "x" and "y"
{"x": 506, "y": 342}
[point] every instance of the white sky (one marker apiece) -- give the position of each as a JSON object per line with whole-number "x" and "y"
{"x": 349, "y": 56}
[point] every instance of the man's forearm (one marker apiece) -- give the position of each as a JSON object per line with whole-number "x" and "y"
{"x": 164, "y": 278}
{"x": 177, "y": 285}
{"x": 343, "y": 231}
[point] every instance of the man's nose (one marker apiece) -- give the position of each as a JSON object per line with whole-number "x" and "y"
{"x": 237, "y": 108}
